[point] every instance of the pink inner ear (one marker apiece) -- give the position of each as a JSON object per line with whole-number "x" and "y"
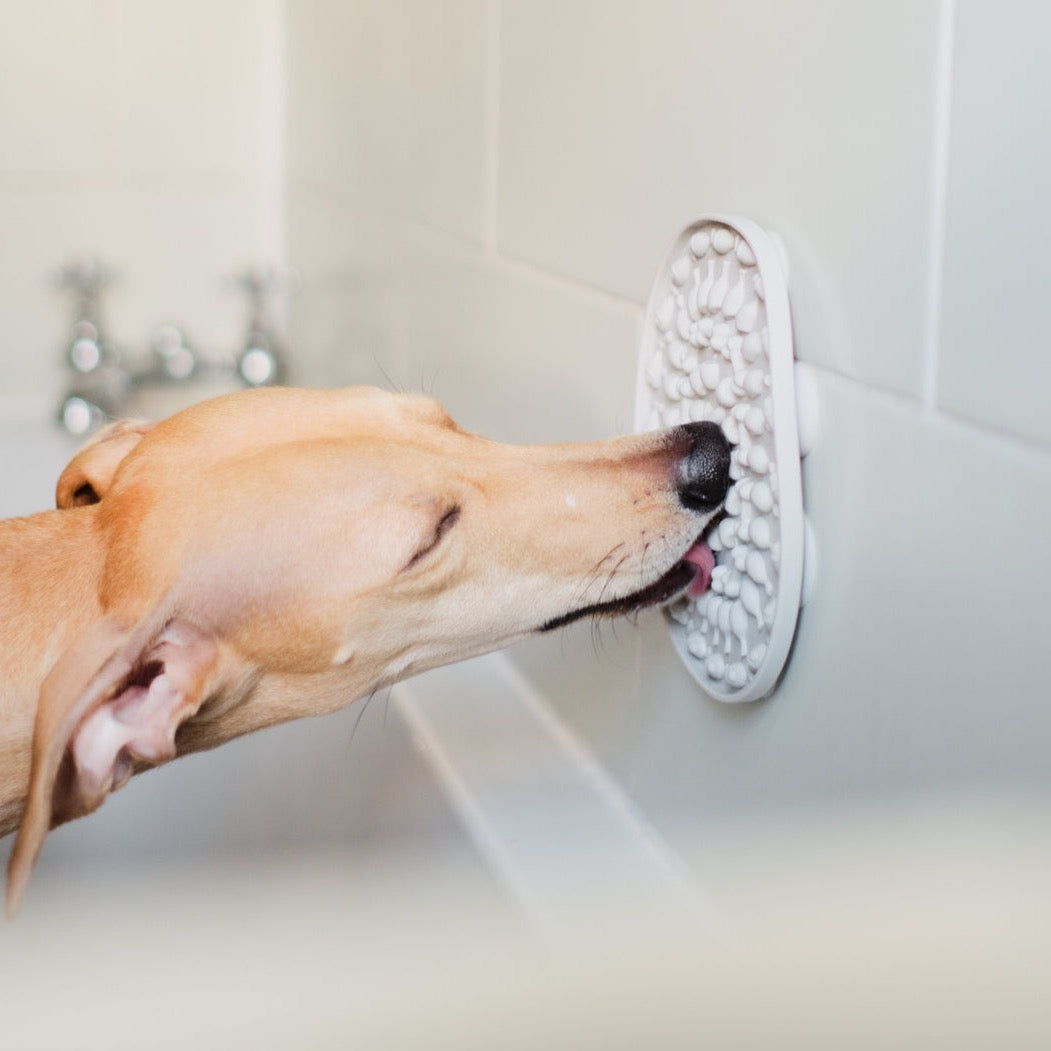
{"x": 139, "y": 722}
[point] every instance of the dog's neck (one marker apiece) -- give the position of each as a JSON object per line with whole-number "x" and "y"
{"x": 49, "y": 570}
{"x": 50, "y": 567}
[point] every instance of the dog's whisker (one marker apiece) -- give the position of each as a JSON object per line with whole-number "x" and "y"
{"x": 597, "y": 640}
{"x": 597, "y": 568}
{"x": 593, "y": 574}
{"x": 642, "y": 561}
{"x": 386, "y": 707}
{"x": 397, "y": 388}
{"x": 611, "y": 577}
{"x": 357, "y": 722}
{"x": 427, "y": 385}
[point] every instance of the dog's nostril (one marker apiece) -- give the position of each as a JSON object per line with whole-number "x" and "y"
{"x": 704, "y": 472}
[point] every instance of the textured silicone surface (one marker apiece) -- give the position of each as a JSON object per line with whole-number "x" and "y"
{"x": 717, "y": 345}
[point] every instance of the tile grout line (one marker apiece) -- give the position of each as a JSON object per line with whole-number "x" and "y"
{"x": 553, "y": 279}
{"x": 491, "y": 129}
{"x": 938, "y": 202}
{"x": 468, "y": 248}
{"x": 1018, "y": 443}
{"x": 272, "y": 126}
{"x": 596, "y": 296}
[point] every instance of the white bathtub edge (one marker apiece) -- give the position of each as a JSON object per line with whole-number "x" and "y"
{"x": 556, "y": 830}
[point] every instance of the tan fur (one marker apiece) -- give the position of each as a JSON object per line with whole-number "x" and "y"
{"x": 276, "y": 553}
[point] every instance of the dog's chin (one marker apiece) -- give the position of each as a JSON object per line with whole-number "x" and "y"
{"x": 665, "y": 588}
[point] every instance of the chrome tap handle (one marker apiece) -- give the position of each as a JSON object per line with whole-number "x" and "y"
{"x": 86, "y": 277}
{"x": 261, "y": 361}
{"x": 87, "y": 348}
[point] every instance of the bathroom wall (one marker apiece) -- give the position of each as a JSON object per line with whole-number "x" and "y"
{"x": 480, "y": 195}
{"x": 475, "y": 196}
{"x": 149, "y": 135}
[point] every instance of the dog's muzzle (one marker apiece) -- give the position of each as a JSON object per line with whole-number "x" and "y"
{"x": 702, "y": 480}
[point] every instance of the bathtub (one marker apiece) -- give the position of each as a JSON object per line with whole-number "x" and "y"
{"x": 455, "y": 870}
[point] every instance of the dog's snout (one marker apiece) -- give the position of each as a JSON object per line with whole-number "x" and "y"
{"x": 704, "y": 472}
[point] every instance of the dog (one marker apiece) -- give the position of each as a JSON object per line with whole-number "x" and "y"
{"x": 277, "y": 553}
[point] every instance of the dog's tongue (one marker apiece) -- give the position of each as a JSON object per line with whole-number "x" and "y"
{"x": 700, "y": 556}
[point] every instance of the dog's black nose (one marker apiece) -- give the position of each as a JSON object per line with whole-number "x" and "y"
{"x": 704, "y": 472}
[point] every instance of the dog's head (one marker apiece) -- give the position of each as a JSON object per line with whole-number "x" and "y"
{"x": 331, "y": 542}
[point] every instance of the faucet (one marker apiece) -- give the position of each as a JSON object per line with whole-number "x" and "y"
{"x": 97, "y": 382}
{"x": 102, "y": 377}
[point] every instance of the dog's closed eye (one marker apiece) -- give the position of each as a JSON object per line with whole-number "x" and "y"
{"x": 445, "y": 523}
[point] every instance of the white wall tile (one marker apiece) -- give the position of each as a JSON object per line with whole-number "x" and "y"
{"x": 184, "y": 87}
{"x": 39, "y": 231}
{"x": 337, "y": 320}
{"x": 331, "y": 124}
{"x": 49, "y": 88}
{"x": 516, "y": 358}
{"x": 920, "y": 663}
{"x": 621, "y": 122}
{"x": 387, "y": 104}
{"x": 512, "y": 354}
{"x": 179, "y": 249}
{"x": 994, "y": 360}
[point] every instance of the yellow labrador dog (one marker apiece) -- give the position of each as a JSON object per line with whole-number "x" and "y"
{"x": 278, "y": 553}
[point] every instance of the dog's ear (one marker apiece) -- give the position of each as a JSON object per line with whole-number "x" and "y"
{"x": 111, "y": 704}
{"x": 88, "y": 475}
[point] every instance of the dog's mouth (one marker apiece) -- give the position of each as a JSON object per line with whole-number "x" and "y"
{"x": 692, "y": 574}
